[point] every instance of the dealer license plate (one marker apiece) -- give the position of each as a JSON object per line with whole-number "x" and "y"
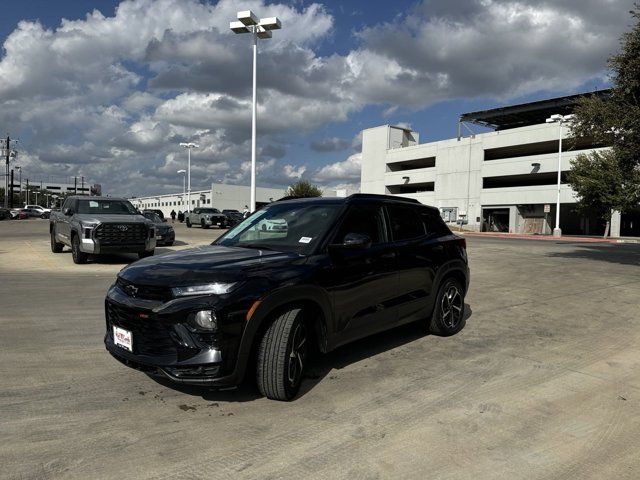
{"x": 123, "y": 338}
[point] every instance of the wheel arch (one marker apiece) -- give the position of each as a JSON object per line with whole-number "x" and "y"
{"x": 312, "y": 300}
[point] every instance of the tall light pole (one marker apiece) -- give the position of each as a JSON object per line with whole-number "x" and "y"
{"x": 18, "y": 167}
{"x": 183, "y": 172}
{"x": 189, "y": 146}
{"x": 249, "y": 23}
{"x": 560, "y": 120}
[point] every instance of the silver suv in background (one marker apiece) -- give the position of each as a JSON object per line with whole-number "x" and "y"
{"x": 99, "y": 225}
{"x": 206, "y": 217}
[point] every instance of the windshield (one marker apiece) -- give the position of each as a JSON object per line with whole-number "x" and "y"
{"x": 112, "y": 207}
{"x": 288, "y": 227}
{"x": 209, "y": 210}
{"x": 153, "y": 217}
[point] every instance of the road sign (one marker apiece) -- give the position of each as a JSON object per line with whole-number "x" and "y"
{"x": 547, "y": 208}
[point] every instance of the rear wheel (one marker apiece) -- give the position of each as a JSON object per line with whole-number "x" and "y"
{"x": 78, "y": 256}
{"x": 448, "y": 313}
{"x": 282, "y": 356}
{"x": 188, "y": 223}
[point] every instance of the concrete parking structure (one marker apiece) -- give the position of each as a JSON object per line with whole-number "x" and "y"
{"x": 543, "y": 382}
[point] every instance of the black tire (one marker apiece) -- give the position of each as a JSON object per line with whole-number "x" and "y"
{"x": 56, "y": 247}
{"x": 146, "y": 254}
{"x": 281, "y": 356}
{"x": 203, "y": 225}
{"x": 78, "y": 256}
{"x": 188, "y": 223}
{"x": 168, "y": 244}
{"x": 222, "y": 225}
{"x": 448, "y": 312}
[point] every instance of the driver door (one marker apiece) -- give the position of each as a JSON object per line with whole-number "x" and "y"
{"x": 363, "y": 283}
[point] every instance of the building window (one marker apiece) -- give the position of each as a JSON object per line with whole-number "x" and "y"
{"x": 449, "y": 214}
{"x": 208, "y": 200}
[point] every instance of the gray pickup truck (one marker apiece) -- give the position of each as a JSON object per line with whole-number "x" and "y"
{"x": 206, "y": 217}
{"x": 99, "y": 225}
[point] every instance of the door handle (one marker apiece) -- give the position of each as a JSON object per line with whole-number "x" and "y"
{"x": 388, "y": 256}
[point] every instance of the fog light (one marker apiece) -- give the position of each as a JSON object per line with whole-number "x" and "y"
{"x": 206, "y": 319}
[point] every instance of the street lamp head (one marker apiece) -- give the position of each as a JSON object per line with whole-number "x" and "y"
{"x": 238, "y": 27}
{"x": 270, "y": 23}
{"x": 182, "y": 171}
{"x": 247, "y": 18}
{"x": 189, "y": 145}
{"x": 262, "y": 33}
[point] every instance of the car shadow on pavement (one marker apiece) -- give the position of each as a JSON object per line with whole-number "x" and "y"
{"x": 320, "y": 366}
{"x": 622, "y": 254}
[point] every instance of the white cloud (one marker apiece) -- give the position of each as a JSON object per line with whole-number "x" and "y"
{"x": 111, "y": 97}
{"x": 344, "y": 171}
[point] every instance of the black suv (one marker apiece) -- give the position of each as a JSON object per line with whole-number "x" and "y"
{"x": 296, "y": 275}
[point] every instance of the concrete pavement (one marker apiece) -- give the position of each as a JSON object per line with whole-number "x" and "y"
{"x": 543, "y": 382}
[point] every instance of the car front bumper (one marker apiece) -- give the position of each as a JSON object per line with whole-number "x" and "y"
{"x": 164, "y": 344}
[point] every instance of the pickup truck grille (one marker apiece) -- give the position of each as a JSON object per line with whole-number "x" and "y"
{"x": 150, "y": 337}
{"x": 121, "y": 233}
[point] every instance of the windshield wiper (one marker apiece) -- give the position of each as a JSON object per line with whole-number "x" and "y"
{"x": 257, "y": 246}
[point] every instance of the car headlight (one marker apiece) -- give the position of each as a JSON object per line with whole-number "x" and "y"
{"x": 87, "y": 228}
{"x": 208, "y": 289}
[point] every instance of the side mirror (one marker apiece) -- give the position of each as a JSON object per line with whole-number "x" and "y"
{"x": 68, "y": 212}
{"x": 353, "y": 241}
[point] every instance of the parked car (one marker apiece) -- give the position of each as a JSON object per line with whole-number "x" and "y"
{"x": 99, "y": 225}
{"x": 206, "y": 217}
{"x": 33, "y": 212}
{"x": 42, "y": 212}
{"x": 165, "y": 234}
{"x": 15, "y": 212}
{"x": 156, "y": 211}
{"x": 345, "y": 268}
{"x": 234, "y": 217}
{"x": 5, "y": 213}
{"x": 24, "y": 214}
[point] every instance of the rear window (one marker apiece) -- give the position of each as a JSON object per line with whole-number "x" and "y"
{"x": 433, "y": 223}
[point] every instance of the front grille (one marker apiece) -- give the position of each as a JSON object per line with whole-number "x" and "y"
{"x": 150, "y": 337}
{"x": 146, "y": 292}
{"x": 121, "y": 233}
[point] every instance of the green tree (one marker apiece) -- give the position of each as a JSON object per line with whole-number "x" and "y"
{"x": 602, "y": 186}
{"x": 611, "y": 120}
{"x": 303, "y": 188}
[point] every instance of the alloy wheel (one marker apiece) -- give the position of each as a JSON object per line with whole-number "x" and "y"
{"x": 451, "y": 307}
{"x": 298, "y": 354}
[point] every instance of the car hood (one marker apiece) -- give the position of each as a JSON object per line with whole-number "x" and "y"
{"x": 211, "y": 263}
{"x": 91, "y": 218}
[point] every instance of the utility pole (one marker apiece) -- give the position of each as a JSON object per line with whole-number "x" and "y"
{"x": 75, "y": 185}
{"x": 82, "y": 188}
{"x": 27, "y": 202}
{"x": 11, "y": 191}
{"x": 6, "y": 178}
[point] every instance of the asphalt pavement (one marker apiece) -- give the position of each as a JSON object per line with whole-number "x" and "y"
{"x": 543, "y": 382}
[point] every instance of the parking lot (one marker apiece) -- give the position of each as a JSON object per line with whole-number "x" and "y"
{"x": 543, "y": 382}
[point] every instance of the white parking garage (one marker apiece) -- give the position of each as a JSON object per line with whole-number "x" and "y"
{"x": 502, "y": 180}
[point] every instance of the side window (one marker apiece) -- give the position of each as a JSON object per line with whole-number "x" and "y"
{"x": 65, "y": 204}
{"x": 405, "y": 223}
{"x": 364, "y": 219}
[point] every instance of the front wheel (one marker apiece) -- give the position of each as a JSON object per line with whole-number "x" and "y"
{"x": 188, "y": 223}
{"x": 282, "y": 356}
{"x": 56, "y": 247}
{"x": 203, "y": 225}
{"x": 79, "y": 257}
{"x": 146, "y": 254}
{"x": 448, "y": 312}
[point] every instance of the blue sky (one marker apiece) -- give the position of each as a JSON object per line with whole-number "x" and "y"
{"x": 110, "y": 96}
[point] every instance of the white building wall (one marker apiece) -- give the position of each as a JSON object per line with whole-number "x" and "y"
{"x": 460, "y": 168}
{"x": 221, "y": 196}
